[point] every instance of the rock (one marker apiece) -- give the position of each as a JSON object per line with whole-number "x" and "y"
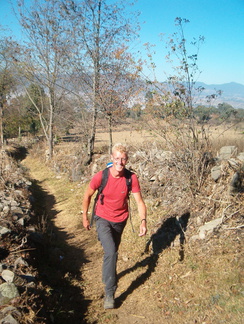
{"x": 7, "y": 275}
{"x": 8, "y": 291}
{"x": 236, "y": 183}
{"x": 226, "y": 152}
{"x": 234, "y": 163}
{"x": 4, "y": 230}
{"x": 10, "y": 309}
{"x": 18, "y": 193}
{"x": 6, "y": 209}
{"x": 216, "y": 172}
{"x": 8, "y": 320}
{"x": 20, "y": 261}
{"x": 14, "y": 203}
{"x": 21, "y": 221}
{"x": 17, "y": 210}
{"x": 208, "y": 227}
{"x": 28, "y": 183}
{"x": 125, "y": 258}
{"x": 240, "y": 156}
{"x": 8, "y": 167}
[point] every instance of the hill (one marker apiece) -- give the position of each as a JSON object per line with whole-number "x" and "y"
{"x": 232, "y": 93}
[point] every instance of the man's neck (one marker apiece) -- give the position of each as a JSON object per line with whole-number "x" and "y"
{"x": 115, "y": 173}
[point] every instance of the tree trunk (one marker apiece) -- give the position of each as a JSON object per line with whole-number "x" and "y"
{"x": 1, "y": 124}
{"x": 96, "y": 86}
{"x": 50, "y": 133}
{"x": 110, "y": 133}
{"x": 91, "y": 140}
{"x": 19, "y": 133}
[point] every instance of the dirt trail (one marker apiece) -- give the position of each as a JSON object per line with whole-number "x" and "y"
{"x": 83, "y": 258}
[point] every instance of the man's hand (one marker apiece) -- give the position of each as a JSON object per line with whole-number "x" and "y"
{"x": 86, "y": 224}
{"x": 143, "y": 228}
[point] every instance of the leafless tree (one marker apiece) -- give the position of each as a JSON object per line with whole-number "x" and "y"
{"x": 6, "y": 80}
{"x": 44, "y": 60}
{"x": 102, "y": 32}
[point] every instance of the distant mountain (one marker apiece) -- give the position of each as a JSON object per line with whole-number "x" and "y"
{"x": 232, "y": 93}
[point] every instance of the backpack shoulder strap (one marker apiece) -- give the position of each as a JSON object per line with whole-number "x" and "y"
{"x": 128, "y": 179}
{"x": 104, "y": 181}
{"x": 105, "y": 174}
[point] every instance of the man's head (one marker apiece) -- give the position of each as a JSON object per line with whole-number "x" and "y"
{"x": 119, "y": 156}
{"x": 120, "y": 148}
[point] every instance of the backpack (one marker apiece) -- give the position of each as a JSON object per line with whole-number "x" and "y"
{"x": 100, "y": 195}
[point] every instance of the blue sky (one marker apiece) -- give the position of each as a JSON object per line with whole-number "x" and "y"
{"x": 221, "y": 22}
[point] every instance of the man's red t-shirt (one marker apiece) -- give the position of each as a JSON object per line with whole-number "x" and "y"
{"x": 115, "y": 204}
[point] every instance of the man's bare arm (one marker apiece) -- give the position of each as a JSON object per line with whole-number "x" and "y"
{"x": 142, "y": 210}
{"x": 86, "y": 203}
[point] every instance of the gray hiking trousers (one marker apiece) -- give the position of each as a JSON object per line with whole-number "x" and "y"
{"x": 109, "y": 234}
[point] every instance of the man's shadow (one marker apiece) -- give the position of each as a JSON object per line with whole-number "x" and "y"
{"x": 163, "y": 238}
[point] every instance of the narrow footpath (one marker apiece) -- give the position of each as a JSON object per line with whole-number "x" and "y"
{"x": 75, "y": 260}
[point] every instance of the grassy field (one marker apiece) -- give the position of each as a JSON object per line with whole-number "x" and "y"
{"x": 135, "y": 135}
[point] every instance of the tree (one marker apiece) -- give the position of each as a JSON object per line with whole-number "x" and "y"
{"x": 135, "y": 112}
{"x": 112, "y": 105}
{"x": 226, "y": 110}
{"x": 119, "y": 84}
{"x": 186, "y": 72}
{"x": 44, "y": 59}
{"x": 101, "y": 31}
{"x": 6, "y": 81}
{"x": 203, "y": 113}
{"x": 35, "y": 103}
{"x": 174, "y": 100}
{"x": 16, "y": 119}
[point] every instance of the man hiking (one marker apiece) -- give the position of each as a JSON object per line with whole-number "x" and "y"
{"x": 111, "y": 213}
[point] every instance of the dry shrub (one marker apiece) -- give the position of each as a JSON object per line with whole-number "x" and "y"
{"x": 9, "y": 171}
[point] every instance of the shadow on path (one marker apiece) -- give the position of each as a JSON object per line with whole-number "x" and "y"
{"x": 162, "y": 239}
{"x": 19, "y": 153}
{"x": 58, "y": 264}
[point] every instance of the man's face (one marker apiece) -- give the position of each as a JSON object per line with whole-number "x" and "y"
{"x": 119, "y": 160}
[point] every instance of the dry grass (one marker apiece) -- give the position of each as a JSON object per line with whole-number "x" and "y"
{"x": 223, "y": 135}
{"x": 136, "y": 135}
